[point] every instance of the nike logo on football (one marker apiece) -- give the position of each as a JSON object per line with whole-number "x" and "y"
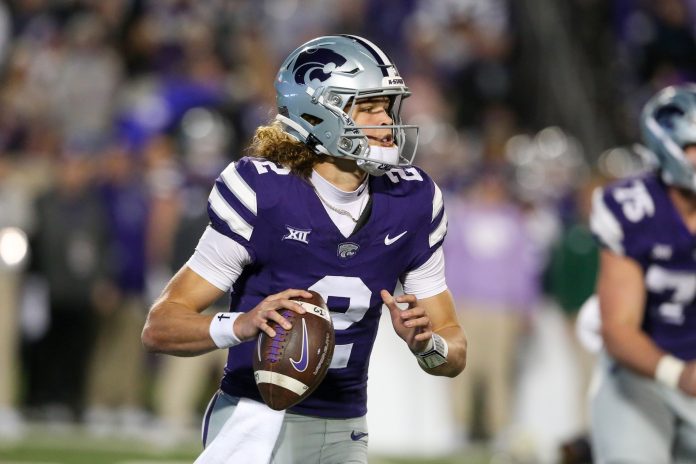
{"x": 388, "y": 241}
{"x": 301, "y": 365}
{"x": 355, "y": 436}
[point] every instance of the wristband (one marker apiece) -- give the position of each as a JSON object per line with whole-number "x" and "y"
{"x": 435, "y": 353}
{"x": 668, "y": 370}
{"x": 222, "y": 330}
{"x": 427, "y": 348}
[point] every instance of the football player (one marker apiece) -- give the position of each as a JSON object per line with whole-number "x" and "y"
{"x": 643, "y": 405}
{"x": 330, "y": 203}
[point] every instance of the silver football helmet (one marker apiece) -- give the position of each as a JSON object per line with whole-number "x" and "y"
{"x": 669, "y": 125}
{"x": 317, "y": 87}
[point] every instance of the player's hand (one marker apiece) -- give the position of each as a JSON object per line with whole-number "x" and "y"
{"x": 413, "y": 324}
{"x": 687, "y": 380}
{"x": 248, "y": 325}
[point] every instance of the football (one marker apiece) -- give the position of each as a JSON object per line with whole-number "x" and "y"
{"x": 290, "y": 366}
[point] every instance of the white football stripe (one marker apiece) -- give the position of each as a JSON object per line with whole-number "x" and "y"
{"x": 281, "y": 380}
{"x": 604, "y": 224}
{"x": 315, "y": 310}
{"x": 438, "y": 203}
{"x": 239, "y": 187}
{"x": 229, "y": 215}
{"x": 439, "y": 232}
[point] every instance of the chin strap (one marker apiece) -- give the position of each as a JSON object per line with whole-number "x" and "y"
{"x": 381, "y": 160}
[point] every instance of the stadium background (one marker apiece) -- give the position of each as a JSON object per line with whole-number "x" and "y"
{"x": 150, "y": 99}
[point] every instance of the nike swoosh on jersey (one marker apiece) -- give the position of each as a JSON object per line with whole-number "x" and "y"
{"x": 388, "y": 241}
{"x": 355, "y": 436}
{"x": 301, "y": 365}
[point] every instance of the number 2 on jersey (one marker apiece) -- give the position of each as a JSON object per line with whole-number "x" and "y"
{"x": 358, "y": 294}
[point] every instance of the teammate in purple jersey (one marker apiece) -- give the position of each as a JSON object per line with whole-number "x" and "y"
{"x": 643, "y": 404}
{"x": 329, "y": 203}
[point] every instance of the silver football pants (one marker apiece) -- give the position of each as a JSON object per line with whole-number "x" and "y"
{"x": 302, "y": 439}
{"x": 637, "y": 420}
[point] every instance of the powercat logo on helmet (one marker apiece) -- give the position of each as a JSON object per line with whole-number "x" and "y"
{"x": 316, "y": 63}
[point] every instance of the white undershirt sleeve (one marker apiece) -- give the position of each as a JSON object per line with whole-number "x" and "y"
{"x": 218, "y": 259}
{"x": 427, "y": 280}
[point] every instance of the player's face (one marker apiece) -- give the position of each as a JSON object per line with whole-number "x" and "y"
{"x": 374, "y": 112}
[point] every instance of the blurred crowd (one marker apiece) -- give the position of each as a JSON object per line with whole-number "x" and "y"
{"x": 116, "y": 117}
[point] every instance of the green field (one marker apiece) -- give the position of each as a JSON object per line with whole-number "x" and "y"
{"x": 47, "y": 445}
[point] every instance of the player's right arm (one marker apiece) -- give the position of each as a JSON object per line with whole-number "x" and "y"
{"x": 176, "y": 326}
{"x": 621, "y": 291}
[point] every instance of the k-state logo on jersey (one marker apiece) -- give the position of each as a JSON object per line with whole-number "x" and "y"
{"x": 299, "y": 235}
{"x": 317, "y": 63}
{"x": 347, "y": 250}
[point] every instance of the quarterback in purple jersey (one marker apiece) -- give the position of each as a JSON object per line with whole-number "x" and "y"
{"x": 328, "y": 202}
{"x": 643, "y": 404}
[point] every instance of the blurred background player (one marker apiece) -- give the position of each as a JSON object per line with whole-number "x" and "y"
{"x": 117, "y": 373}
{"x": 493, "y": 272}
{"x": 643, "y": 406}
{"x": 70, "y": 242}
{"x": 15, "y": 220}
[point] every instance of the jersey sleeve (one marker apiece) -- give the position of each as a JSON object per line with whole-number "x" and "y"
{"x": 431, "y": 222}
{"x": 232, "y": 204}
{"x": 604, "y": 225}
{"x": 624, "y": 217}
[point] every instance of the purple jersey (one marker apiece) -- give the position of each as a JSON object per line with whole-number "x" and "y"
{"x": 293, "y": 243}
{"x": 635, "y": 217}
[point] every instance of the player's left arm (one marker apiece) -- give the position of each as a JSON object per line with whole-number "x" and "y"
{"x": 429, "y": 325}
{"x": 423, "y": 318}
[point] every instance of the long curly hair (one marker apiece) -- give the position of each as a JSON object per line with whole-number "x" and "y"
{"x": 274, "y": 144}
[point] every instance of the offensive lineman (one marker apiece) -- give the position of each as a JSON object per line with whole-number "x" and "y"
{"x": 643, "y": 405}
{"x": 328, "y": 203}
